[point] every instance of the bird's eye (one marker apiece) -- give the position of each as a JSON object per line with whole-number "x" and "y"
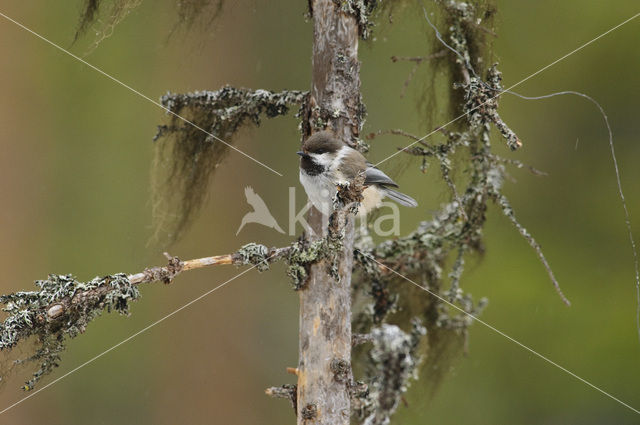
{"x": 321, "y": 151}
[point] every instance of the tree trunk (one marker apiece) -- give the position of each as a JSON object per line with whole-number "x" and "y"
{"x": 324, "y": 370}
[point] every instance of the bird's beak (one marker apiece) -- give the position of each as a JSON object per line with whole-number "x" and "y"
{"x": 302, "y": 154}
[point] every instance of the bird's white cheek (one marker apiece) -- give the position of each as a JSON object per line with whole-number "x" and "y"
{"x": 325, "y": 159}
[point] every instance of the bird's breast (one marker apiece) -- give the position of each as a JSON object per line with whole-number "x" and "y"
{"x": 320, "y": 190}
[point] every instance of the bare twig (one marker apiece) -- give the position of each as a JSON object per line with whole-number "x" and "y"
{"x": 508, "y": 212}
{"x": 518, "y": 164}
{"x": 627, "y": 215}
{"x": 395, "y": 132}
{"x": 417, "y": 60}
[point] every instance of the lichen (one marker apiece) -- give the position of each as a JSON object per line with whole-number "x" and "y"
{"x": 187, "y": 155}
{"x": 62, "y": 308}
{"x": 309, "y": 412}
{"x": 362, "y": 10}
{"x": 288, "y": 391}
{"x": 394, "y": 360}
{"x": 431, "y": 259}
{"x": 302, "y": 254}
{"x": 254, "y": 254}
{"x": 481, "y": 104}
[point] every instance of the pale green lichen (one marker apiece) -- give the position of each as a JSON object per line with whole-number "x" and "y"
{"x": 301, "y": 255}
{"x": 254, "y": 254}
{"x": 62, "y": 308}
{"x": 434, "y": 253}
{"x": 362, "y": 10}
{"x": 394, "y": 359}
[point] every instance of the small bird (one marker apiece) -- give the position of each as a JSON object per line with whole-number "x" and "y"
{"x": 326, "y": 162}
{"x": 260, "y": 213}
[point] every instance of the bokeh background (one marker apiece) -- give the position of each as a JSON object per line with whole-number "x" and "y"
{"x": 75, "y": 161}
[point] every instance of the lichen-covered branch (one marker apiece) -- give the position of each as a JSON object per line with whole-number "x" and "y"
{"x": 290, "y": 392}
{"x": 435, "y": 252}
{"x": 394, "y": 361}
{"x": 62, "y": 307}
{"x": 481, "y": 104}
{"x": 187, "y": 157}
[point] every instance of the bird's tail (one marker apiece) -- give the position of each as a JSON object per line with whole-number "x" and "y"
{"x": 400, "y": 198}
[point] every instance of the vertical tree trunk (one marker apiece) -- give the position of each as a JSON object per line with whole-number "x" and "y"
{"x": 324, "y": 369}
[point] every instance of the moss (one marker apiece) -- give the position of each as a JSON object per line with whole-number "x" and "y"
{"x": 93, "y": 12}
{"x": 201, "y": 13}
{"x": 187, "y": 155}
{"x": 103, "y": 19}
{"x": 62, "y": 308}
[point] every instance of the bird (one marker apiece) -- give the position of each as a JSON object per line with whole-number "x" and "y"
{"x": 260, "y": 213}
{"x": 326, "y": 162}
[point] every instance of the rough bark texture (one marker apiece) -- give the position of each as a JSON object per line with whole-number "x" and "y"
{"x": 325, "y": 301}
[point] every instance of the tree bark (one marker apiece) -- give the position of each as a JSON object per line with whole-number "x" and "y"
{"x": 324, "y": 370}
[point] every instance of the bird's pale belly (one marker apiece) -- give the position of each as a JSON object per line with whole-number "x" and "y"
{"x": 321, "y": 192}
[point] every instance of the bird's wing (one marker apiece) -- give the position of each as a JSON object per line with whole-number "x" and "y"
{"x": 254, "y": 199}
{"x": 374, "y": 176}
{"x": 352, "y": 164}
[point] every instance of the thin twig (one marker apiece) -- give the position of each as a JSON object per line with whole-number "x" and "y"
{"x": 517, "y": 164}
{"x": 153, "y": 274}
{"x": 417, "y": 60}
{"x": 627, "y": 215}
{"x": 395, "y": 132}
{"x": 508, "y": 212}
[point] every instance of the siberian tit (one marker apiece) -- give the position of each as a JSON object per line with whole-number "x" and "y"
{"x": 326, "y": 162}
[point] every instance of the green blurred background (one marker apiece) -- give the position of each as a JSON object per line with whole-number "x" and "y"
{"x": 74, "y": 178}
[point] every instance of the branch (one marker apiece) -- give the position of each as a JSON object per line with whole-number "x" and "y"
{"x": 64, "y": 306}
{"x": 290, "y": 392}
{"x": 188, "y": 153}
